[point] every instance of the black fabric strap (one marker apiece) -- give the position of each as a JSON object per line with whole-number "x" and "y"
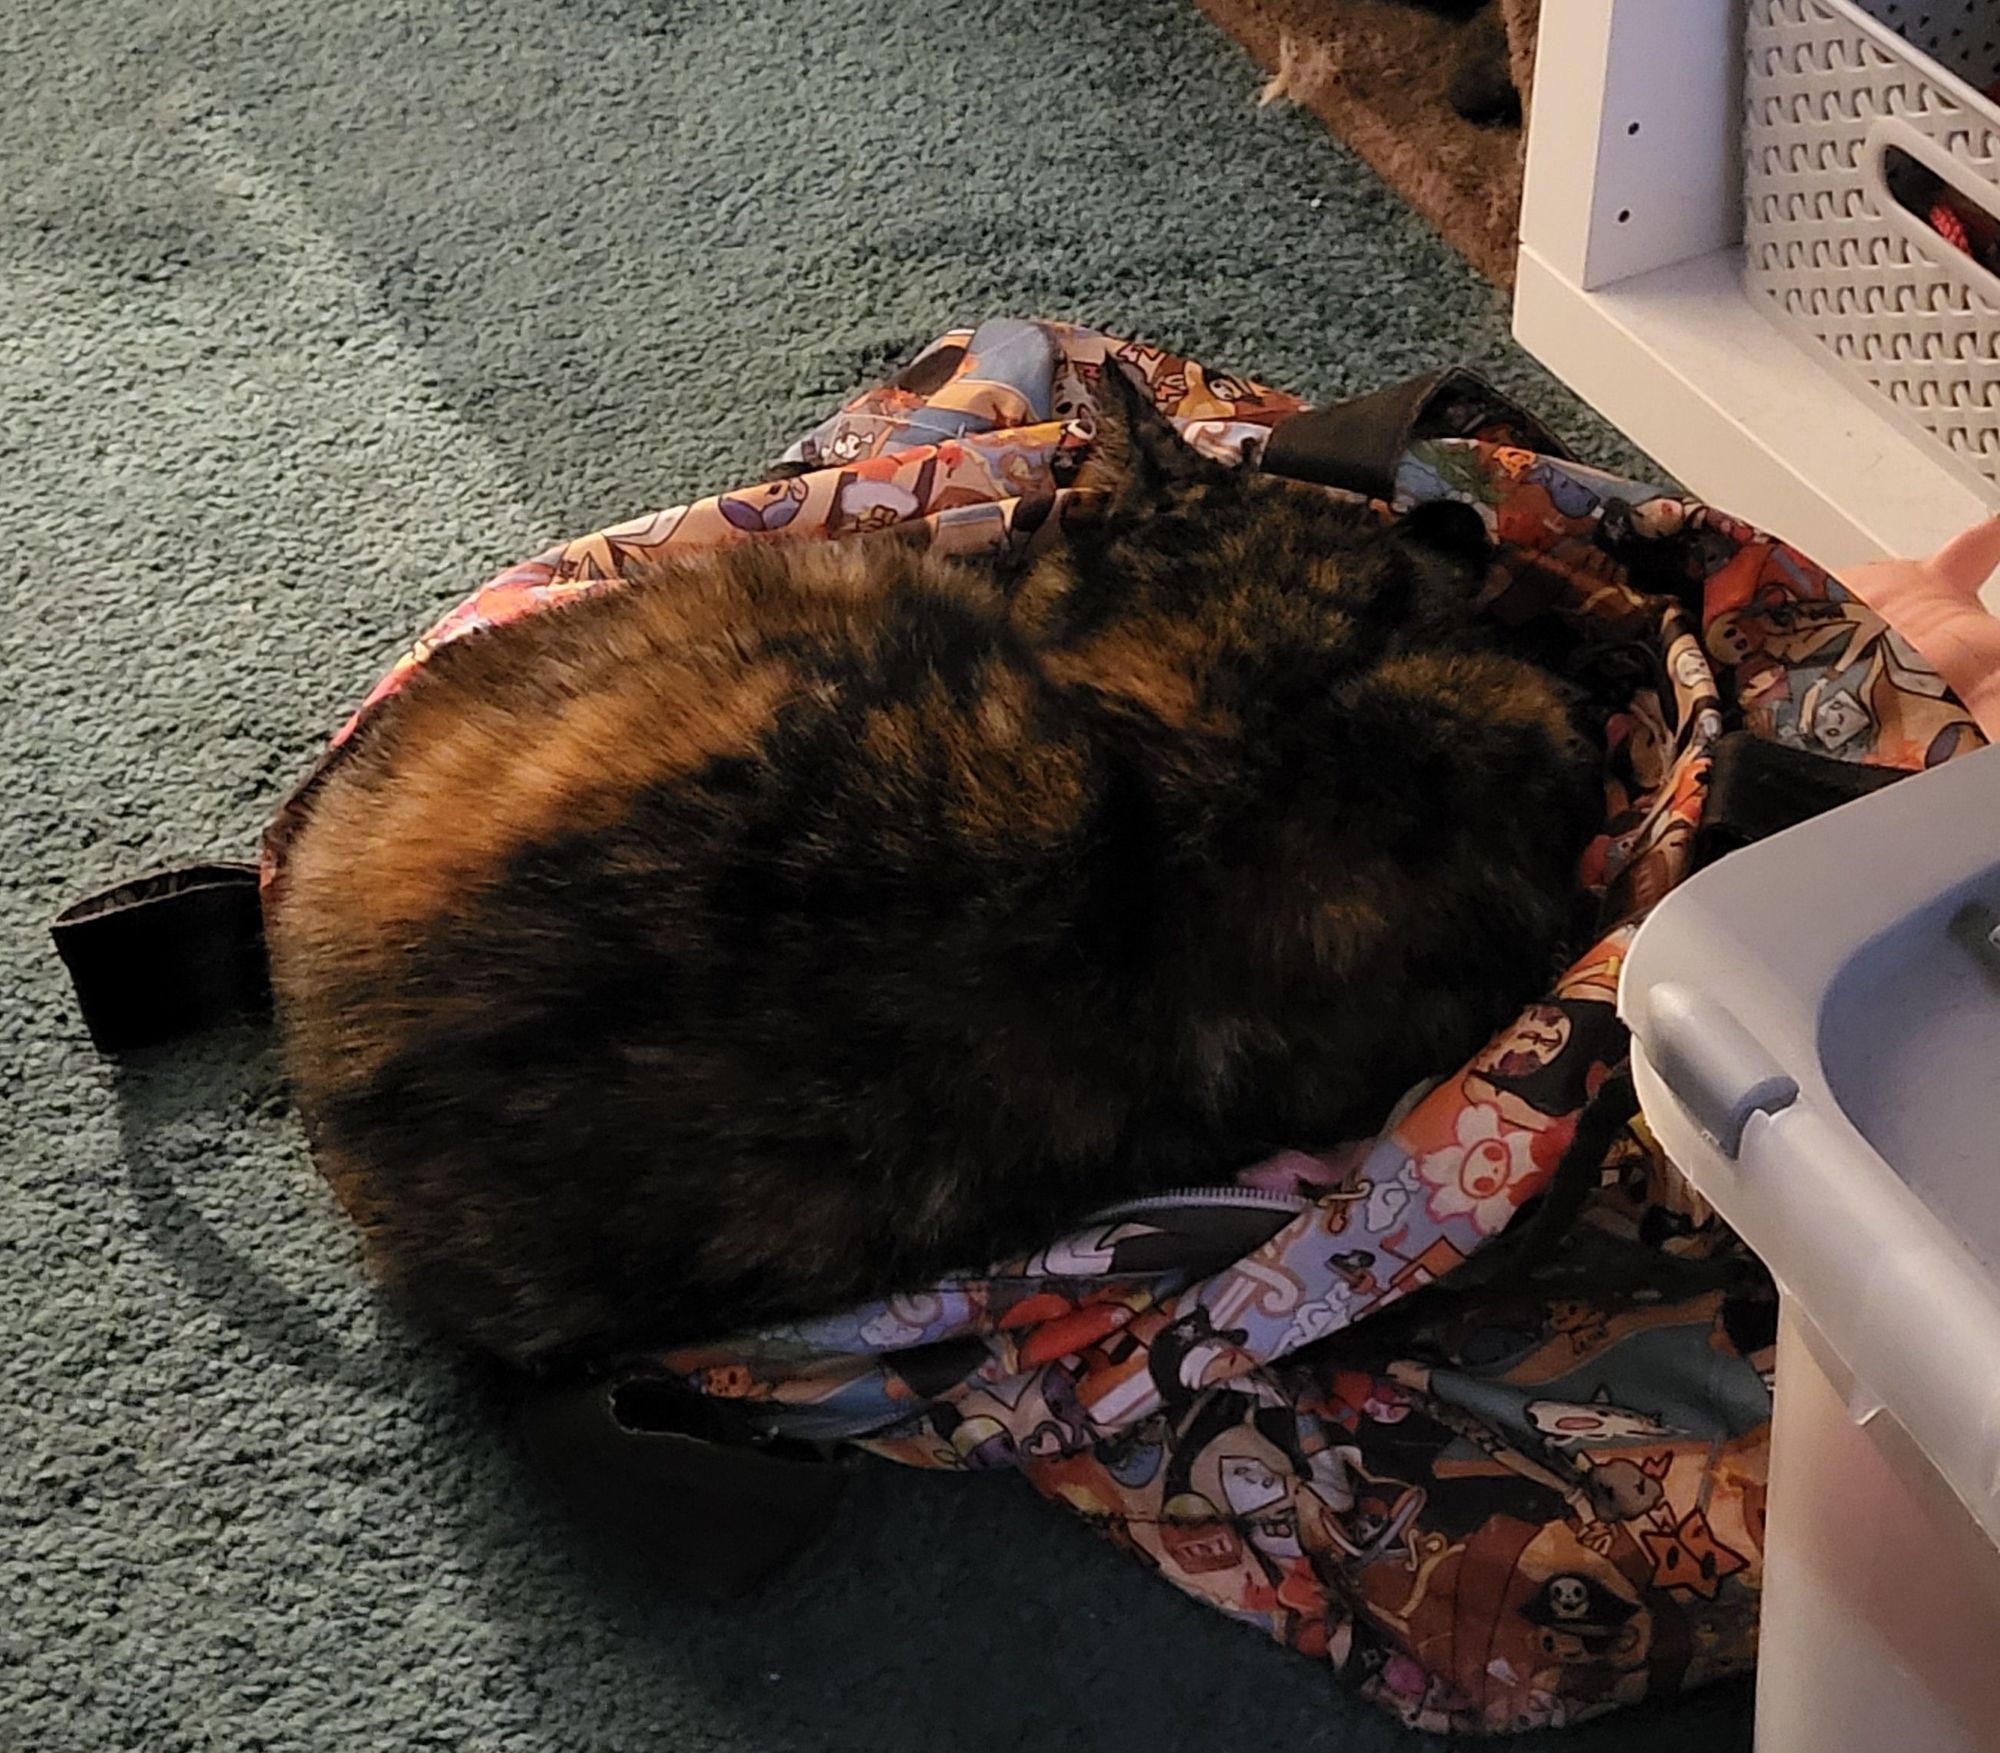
{"x": 677, "y": 1483}
{"x": 1757, "y": 788}
{"x": 167, "y": 954}
{"x": 1357, "y": 444}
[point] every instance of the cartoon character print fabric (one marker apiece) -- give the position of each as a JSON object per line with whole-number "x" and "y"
{"x": 1530, "y": 1495}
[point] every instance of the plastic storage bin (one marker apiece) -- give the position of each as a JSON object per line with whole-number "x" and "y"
{"x": 1834, "y": 88}
{"x": 1816, "y": 1042}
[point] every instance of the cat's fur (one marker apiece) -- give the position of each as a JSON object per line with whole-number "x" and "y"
{"x": 803, "y": 920}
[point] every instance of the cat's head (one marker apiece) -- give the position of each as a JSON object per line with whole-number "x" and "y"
{"x": 1309, "y": 684}
{"x": 1178, "y": 530}
{"x": 1223, "y": 594}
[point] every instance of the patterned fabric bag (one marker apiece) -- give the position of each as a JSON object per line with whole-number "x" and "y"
{"x": 1534, "y": 1491}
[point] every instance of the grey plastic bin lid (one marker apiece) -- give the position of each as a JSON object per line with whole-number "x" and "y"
{"x": 1821, "y": 1012}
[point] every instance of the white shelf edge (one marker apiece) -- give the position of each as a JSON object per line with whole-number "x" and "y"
{"x": 1685, "y": 364}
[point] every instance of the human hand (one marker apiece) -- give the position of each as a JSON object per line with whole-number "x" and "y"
{"x": 1935, "y": 605}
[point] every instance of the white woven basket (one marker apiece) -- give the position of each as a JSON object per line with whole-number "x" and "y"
{"x": 1834, "y": 86}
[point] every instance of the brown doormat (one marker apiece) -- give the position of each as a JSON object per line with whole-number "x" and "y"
{"x": 1375, "y": 71}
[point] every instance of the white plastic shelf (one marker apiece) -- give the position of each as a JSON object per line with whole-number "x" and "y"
{"x": 1630, "y": 291}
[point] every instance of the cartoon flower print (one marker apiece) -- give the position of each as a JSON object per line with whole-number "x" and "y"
{"x": 1483, "y": 1174}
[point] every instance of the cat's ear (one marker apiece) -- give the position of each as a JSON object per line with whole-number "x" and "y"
{"x": 1136, "y": 457}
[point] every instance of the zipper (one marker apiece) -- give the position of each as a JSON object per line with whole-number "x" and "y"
{"x": 1256, "y": 1198}
{"x": 1252, "y": 1198}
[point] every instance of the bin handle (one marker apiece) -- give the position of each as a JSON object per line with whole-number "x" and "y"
{"x": 1892, "y": 133}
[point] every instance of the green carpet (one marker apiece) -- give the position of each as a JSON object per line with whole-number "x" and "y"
{"x": 312, "y": 312}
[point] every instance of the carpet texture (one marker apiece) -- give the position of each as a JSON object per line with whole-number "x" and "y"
{"x": 1378, "y": 72}
{"x": 312, "y": 312}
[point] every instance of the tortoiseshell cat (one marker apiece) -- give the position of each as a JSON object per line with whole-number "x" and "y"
{"x": 804, "y": 920}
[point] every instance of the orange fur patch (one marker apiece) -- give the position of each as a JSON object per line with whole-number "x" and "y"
{"x": 1148, "y": 665}
{"x": 474, "y": 785}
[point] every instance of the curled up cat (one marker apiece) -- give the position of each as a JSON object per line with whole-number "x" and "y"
{"x": 800, "y": 921}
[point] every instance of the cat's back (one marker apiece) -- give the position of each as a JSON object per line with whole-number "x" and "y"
{"x": 563, "y": 723}
{"x": 661, "y": 876}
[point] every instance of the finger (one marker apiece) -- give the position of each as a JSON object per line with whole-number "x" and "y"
{"x": 1967, "y": 561}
